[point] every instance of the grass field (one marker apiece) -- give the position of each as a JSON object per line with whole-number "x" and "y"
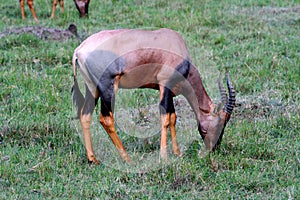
{"x": 43, "y": 157}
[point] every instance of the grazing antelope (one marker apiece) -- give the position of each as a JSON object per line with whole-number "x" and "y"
{"x": 159, "y": 59}
{"x": 82, "y": 7}
{"x": 30, "y": 5}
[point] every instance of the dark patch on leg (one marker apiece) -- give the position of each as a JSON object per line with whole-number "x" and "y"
{"x": 182, "y": 71}
{"x": 106, "y": 108}
{"x": 106, "y": 89}
{"x": 184, "y": 68}
{"x": 180, "y": 74}
{"x": 166, "y": 104}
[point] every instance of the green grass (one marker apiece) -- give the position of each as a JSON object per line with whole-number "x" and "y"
{"x": 41, "y": 155}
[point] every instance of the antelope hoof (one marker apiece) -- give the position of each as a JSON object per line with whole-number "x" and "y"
{"x": 127, "y": 159}
{"x": 177, "y": 152}
{"x": 164, "y": 155}
{"x": 125, "y": 156}
{"x": 93, "y": 160}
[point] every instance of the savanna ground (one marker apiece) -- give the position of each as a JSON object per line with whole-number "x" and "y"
{"x": 42, "y": 155}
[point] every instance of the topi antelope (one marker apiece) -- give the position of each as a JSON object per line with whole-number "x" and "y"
{"x": 82, "y": 7}
{"x": 159, "y": 59}
{"x": 30, "y": 5}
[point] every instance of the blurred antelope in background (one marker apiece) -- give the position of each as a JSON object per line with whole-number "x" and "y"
{"x": 82, "y": 7}
{"x": 30, "y": 5}
{"x": 160, "y": 60}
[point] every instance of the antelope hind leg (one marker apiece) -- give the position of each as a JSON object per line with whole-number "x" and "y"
{"x": 106, "y": 116}
{"x": 107, "y": 121}
{"x": 85, "y": 120}
{"x": 30, "y": 5}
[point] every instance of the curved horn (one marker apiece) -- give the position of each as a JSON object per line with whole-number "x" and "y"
{"x": 222, "y": 91}
{"x": 231, "y": 102}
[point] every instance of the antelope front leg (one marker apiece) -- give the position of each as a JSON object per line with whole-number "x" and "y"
{"x": 166, "y": 111}
{"x": 164, "y": 120}
{"x": 22, "y": 8}
{"x": 175, "y": 147}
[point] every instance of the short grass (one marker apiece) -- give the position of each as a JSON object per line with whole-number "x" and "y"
{"x": 42, "y": 157}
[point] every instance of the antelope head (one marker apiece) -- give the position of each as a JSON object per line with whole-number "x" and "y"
{"x": 213, "y": 135}
{"x": 82, "y": 7}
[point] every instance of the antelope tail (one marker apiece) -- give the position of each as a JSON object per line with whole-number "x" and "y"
{"x": 78, "y": 99}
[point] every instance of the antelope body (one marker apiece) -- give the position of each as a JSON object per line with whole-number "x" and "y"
{"x": 159, "y": 59}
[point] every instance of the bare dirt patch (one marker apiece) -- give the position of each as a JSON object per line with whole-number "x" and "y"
{"x": 270, "y": 14}
{"x": 44, "y": 33}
